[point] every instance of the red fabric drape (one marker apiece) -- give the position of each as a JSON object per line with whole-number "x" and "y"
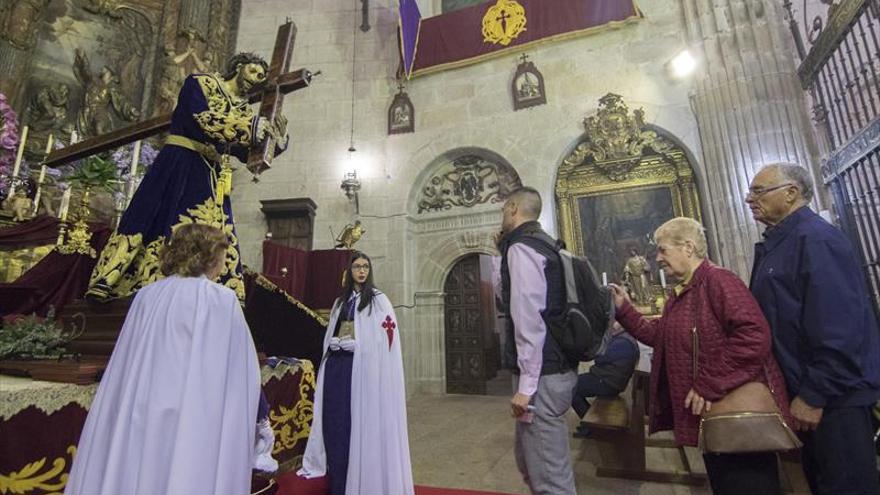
{"x": 56, "y": 280}
{"x": 40, "y": 231}
{"x": 313, "y": 277}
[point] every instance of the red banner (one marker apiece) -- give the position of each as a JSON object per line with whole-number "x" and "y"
{"x": 473, "y": 34}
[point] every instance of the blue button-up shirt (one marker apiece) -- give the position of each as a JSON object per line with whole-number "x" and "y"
{"x": 810, "y": 285}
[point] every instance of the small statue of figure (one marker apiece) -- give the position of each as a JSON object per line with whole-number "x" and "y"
{"x": 102, "y": 94}
{"x": 350, "y": 235}
{"x": 47, "y": 110}
{"x": 635, "y": 275}
{"x": 20, "y": 205}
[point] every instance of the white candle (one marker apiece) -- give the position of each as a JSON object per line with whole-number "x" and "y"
{"x": 65, "y": 204}
{"x": 604, "y": 278}
{"x": 74, "y": 137}
{"x": 42, "y": 176}
{"x": 18, "y": 157}
{"x": 662, "y": 278}
{"x": 132, "y": 179}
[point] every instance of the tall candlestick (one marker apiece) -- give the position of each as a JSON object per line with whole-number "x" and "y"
{"x": 604, "y": 278}
{"x": 65, "y": 204}
{"x": 132, "y": 179}
{"x": 662, "y": 278}
{"x": 18, "y": 158}
{"x": 42, "y": 176}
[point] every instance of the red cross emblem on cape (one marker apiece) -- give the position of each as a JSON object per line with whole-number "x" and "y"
{"x": 389, "y": 327}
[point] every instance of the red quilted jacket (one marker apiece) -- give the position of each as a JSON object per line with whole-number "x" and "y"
{"x": 734, "y": 348}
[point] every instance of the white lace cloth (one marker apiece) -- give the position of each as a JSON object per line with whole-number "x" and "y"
{"x": 17, "y": 394}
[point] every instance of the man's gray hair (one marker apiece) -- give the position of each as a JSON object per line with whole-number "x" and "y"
{"x": 798, "y": 176}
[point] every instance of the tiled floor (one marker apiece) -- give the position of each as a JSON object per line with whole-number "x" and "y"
{"x": 466, "y": 441}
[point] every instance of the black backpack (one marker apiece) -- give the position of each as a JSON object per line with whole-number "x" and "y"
{"x": 582, "y": 330}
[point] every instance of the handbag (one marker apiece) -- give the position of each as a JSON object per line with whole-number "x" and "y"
{"x": 747, "y": 419}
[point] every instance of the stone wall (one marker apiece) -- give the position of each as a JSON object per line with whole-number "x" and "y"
{"x": 467, "y": 107}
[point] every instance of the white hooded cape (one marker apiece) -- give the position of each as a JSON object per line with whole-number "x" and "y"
{"x": 176, "y": 410}
{"x": 379, "y": 461}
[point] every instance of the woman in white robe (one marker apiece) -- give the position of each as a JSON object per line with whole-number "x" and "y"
{"x": 359, "y": 438}
{"x": 176, "y": 410}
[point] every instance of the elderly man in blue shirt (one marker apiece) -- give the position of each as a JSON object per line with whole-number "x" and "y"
{"x": 812, "y": 289}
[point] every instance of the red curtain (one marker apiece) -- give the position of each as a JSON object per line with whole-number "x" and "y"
{"x": 57, "y": 279}
{"x": 313, "y": 277}
{"x": 40, "y": 231}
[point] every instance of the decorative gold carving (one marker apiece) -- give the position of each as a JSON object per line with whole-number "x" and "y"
{"x": 227, "y": 119}
{"x": 79, "y": 239}
{"x": 614, "y": 140}
{"x": 292, "y": 423}
{"x": 31, "y": 479}
{"x": 582, "y": 176}
{"x": 14, "y": 263}
{"x": 503, "y": 22}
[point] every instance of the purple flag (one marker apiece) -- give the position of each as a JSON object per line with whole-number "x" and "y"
{"x": 410, "y": 22}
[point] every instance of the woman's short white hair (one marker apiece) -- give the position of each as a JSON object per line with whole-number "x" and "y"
{"x": 682, "y": 229}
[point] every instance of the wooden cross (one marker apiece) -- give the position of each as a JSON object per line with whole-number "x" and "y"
{"x": 279, "y": 82}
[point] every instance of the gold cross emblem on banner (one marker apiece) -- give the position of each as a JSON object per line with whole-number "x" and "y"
{"x": 503, "y": 22}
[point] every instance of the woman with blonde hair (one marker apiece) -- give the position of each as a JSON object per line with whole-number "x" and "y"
{"x": 711, "y": 339}
{"x": 177, "y": 406}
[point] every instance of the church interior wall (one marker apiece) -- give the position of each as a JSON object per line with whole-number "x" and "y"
{"x": 465, "y": 107}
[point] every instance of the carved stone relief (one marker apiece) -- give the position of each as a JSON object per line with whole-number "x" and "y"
{"x": 467, "y": 181}
{"x": 130, "y": 51}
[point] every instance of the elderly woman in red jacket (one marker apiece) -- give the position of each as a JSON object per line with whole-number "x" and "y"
{"x": 733, "y": 349}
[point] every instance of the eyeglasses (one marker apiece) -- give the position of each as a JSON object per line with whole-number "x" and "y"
{"x": 757, "y": 192}
{"x": 355, "y": 268}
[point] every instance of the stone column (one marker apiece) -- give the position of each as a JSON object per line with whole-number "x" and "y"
{"x": 428, "y": 363}
{"x": 750, "y": 110}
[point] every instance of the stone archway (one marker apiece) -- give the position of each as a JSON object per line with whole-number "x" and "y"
{"x": 451, "y": 215}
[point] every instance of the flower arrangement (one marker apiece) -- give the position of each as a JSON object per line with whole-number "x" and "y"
{"x": 33, "y": 337}
{"x": 9, "y": 137}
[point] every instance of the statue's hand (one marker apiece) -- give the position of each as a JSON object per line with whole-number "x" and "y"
{"x": 263, "y": 128}
{"x": 280, "y": 126}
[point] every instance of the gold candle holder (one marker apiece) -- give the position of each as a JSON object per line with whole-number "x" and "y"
{"x": 79, "y": 238}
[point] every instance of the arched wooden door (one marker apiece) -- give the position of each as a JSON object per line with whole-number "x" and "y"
{"x": 472, "y": 344}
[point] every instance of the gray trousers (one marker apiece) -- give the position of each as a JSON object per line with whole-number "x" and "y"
{"x": 541, "y": 447}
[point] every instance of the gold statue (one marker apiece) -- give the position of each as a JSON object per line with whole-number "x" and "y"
{"x": 102, "y": 93}
{"x": 350, "y": 235}
{"x": 635, "y": 276}
{"x": 19, "y": 205}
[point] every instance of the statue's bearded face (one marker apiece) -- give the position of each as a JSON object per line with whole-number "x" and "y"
{"x": 250, "y": 75}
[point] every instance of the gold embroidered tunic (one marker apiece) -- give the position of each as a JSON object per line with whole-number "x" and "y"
{"x": 187, "y": 183}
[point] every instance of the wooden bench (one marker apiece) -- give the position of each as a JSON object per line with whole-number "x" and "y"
{"x": 617, "y": 425}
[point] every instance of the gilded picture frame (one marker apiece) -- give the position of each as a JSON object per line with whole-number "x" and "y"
{"x": 622, "y": 214}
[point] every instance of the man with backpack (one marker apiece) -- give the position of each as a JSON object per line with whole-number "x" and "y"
{"x": 533, "y": 293}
